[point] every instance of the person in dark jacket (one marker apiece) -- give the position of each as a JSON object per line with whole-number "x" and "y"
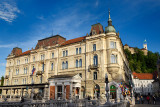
{"x": 154, "y": 100}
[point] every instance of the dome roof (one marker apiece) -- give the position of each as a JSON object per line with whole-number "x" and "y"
{"x": 110, "y": 29}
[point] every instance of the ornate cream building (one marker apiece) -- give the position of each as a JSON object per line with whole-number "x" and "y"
{"x": 61, "y": 68}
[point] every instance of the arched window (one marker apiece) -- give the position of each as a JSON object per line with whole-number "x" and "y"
{"x": 113, "y": 58}
{"x": 63, "y": 65}
{"x": 52, "y": 66}
{"x": 77, "y": 63}
{"x": 66, "y": 64}
{"x": 80, "y": 63}
{"x": 95, "y": 60}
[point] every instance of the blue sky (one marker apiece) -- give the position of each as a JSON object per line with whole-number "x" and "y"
{"x": 24, "y": 22}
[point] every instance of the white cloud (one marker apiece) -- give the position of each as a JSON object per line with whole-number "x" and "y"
{"x": 8, "y": 11}
{"x": 7, "y": 45}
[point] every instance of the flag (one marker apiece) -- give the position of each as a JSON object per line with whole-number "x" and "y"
{"x": 33, "y": 70}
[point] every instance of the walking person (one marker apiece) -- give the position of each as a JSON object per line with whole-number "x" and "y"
{"x": 142, "y": 100}
{"x": 138, "y": 99}
{"x": 148, "y": 99}
{"x": 154, "y": 100}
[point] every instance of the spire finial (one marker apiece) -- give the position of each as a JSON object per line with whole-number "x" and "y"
{"x": 109, "y": 20}
{"x": 109, "y": 13}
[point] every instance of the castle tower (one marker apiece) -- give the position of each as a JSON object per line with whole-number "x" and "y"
{"x": 145, "y": 44}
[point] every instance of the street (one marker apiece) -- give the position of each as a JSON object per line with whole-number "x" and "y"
{"x": 146, "y": 105}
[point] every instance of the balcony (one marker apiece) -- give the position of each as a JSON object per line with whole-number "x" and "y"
{"x": 113, "y": 69}
{"x": 7, "y": 76}
{"x": 39, "y": 73}
{"x": 93, "y": 67}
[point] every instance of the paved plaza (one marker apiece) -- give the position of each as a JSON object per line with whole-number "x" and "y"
{"x": 146, "y": 105}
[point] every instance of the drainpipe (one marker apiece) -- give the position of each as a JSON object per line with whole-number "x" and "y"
{"x": 85, "y": 70}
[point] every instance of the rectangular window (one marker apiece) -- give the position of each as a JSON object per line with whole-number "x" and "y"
{"x": 63, "y": 53}
{"x": 41, "y": 57}
{"x": 94, "y": 47}
{"x": 95, "y": 75}
{"x": 25, "y": 81}
{"x": 66, "y": 52}
{"x": 79, "y": 50}
{"x": 113, "y": 45}
{"x": 26, "y": 70}
{"x": 76, "y": 63}
{"x": 76, "y": 51}
{"x": 33, "y": 58}
{"x": 43, "y": 67}
{"x": 52, "y": 67}
{"x": 80, "y": 63}
{"x": 52, "y": 55}
{"x": 59, "y": 92}
{"x": 113, "y": 58}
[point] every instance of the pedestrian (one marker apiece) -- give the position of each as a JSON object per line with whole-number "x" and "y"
{"x": 148, "y": 99}
{"x": 138, "y": 99}
{"x": 142, "y": 100}
{"x": 89, "y": 97}
{"x": 154, "y": 100}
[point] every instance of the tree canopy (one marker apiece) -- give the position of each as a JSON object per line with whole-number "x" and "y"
{"x": 141, "y": 63}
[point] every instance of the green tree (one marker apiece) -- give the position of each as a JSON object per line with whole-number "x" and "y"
{"x": 141, "y": 63}
{"x": 2, "y": 82}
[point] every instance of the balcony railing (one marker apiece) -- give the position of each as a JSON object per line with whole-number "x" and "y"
{"x": 93, "y": 66}
{"x": 39, "y": 72}
{"x": 7, "y": 76}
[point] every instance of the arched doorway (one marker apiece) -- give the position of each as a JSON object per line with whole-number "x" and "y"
{"x": 113, "y": 91}
{"x": 96, "y": 91}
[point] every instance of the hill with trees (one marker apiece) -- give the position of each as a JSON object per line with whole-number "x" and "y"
{"x": 141, "y": 63}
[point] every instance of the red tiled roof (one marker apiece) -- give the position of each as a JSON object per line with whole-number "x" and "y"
{"x": 73, "y": 41}
{"x": 142, "y": 75}
{"x": 24, "y": 53}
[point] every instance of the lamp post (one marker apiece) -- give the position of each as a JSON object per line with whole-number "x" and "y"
{"x": 107, "y": 89}
{"x": 95, "y": 92}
